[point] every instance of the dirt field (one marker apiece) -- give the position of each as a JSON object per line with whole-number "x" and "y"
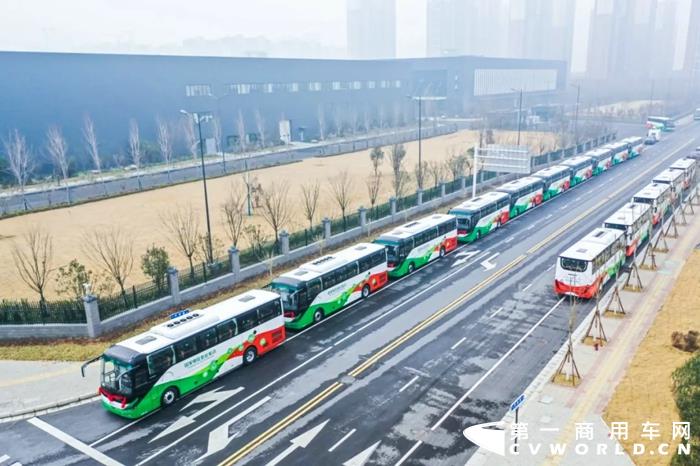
{"x": 645, "y": 393}
{"x": 138, "y": 214}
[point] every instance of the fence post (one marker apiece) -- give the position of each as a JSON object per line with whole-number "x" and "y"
{"x": 235, "y": 260}
{"x": 419, "y": 197}
{"x": 284, "y": 242}
{"x": 326, "y": 228}
{"x": 443, "y": 191}
{"x": 362, "y": 212}
{"x": 174, "y": 285}
{"x": 392, "y": 204}
{"x": 92, "y": 315}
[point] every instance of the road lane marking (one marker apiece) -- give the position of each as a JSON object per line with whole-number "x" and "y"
{"x": 548, "y": 217}
{"x": 300, "y": 441}
{"x": 409, "y": 453}
{"x": 4, "y": 458}
{"x": 509, "y": 239}
{"x": 527, "y": 287}
{"x": 458, "y": 343}
{"x": 73, "y": 442}
{"x": 408, "y": 384}
{"x": 550, "y": 267}
{"x": 496, "y": 313}
{"x": 124, "y": 427}
{"x": 345, "y": 437}
{"x": 361, "y": 458}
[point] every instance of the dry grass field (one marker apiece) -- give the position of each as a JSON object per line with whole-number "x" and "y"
{"x": 645, "y": 393}
{"x": 138, "y": 215}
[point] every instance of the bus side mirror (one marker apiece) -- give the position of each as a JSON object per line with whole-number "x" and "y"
{"x": 87, "y": 363}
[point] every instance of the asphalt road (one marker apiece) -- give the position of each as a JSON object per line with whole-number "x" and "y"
{"x": 392, "y": 379}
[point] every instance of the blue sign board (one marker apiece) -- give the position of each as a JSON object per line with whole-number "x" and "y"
{"x": 181, "y": 313}
{"x": 518, "y": 401}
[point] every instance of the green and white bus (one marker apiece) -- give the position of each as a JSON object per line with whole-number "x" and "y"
{"x": 635, "y": 146}
{"x": 525, "y": 193}
{"x": 603, "y": 160}
{"x": 321, "y": 287}
{"x": 581, "y": 168}
{"x": 481, "y": 215}
{"x": 153, "y": 369}
{"x": 634, "y": 219}
{"x": 556, "y": 179}
{"x": 619, "y": 150}
{"x": 662, "y": 123}
{"x": 688, "y": 166}
{"x": 673, "y": 178}
{"x": 416, "y": 243}
{"x": 658, "y": 196}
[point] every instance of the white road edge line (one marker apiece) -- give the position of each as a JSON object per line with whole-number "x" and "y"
{"x": 495, "y": 313}
{"x": 409, "y": 453}
{"x": 509, "y": 239}
{"x": 495, "y": 366}
{"x": 458, "y": 343}
{"x": 126, "y": 426}
{"x": 345, "y": 437}
{"x": 527, "y": 287}
{"x": 408, "y": 384}
{"x": 73, "y": 442}
{"x": 4, "y": 458}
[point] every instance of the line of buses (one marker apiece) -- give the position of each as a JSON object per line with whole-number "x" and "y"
{"x": 153, "y": 369}
{"x": 583, "y": 269}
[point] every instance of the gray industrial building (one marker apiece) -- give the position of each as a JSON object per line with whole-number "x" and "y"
{"x": 313, "y": 96}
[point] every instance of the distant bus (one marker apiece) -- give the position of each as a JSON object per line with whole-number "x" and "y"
{"x": 584, "y": 268}
{"x": 603, "y": 160}
{"x": 416, "y": 243}
{"x": 481, "y": 215}
{"x": 321, "y": 287}
{"x": 662, "y": 123}
{"x": 155, "y": 368}
{"x": 673, "y": 178}
{"x": 525, "y": 193}
{"x": 658, "y": 196}
{"x": 636, "y": 145}
{"x": 634, "y": 219}
{"x": 619, "y": 150}
{"x": 688, "y": 166}
{"x": 581, "y": 168}
{"x": 556, "y": 179}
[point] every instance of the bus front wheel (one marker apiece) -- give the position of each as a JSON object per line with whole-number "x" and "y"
{"x": 250, "y": 355}
{"x": 168, "y": 397}
{"x": 365, "y": 291}
{"x": 318, "y": 316}
{"x": 442, "y": 251}
{"x": 411, "y": 267}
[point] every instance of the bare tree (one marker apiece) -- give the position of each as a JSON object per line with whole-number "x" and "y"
{"x": 233, "y": 211}
{"x": 341, "y": 190}
{"x": 135, "y": 148}
{"x": 419, "y": 173}
{"x": 182, "y": 229}
{"x": 113, "y": 252}
{"x": 260, "y": 124}
{"x": 310, "y": 193}
{"x": 90, "y": 140}
{"x": 374, "y": 182}
{"x": 240, "y": 129}
{"x": 19, "y": 158}
{"x": 58, "y": 150}
{"x": 338, "y": 121}
{"x": 191, "y": 140}
{"x": 33, "y": 260}
{"x": 259, "y": 242}
{"x": 321, "y": 123}
{"x": 458, "y": 164}
{"x": 165, "y": 143}
{"x": 399, "y": 174}
{"x": 434, "y": 171}
{"x": 216, "y": 128}
{"x": 275, "y": 209}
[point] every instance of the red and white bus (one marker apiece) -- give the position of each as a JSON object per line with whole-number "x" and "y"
{"x": 673, "y": 178}
{"x": 634, "y": 219}
{"x": 658, "y": 196}
{"x": 688, "y": 167}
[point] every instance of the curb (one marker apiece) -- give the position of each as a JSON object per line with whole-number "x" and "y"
{"x": 47, "y": 408}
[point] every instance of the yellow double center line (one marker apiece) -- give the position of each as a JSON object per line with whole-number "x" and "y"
{"x": 335, "y": 386}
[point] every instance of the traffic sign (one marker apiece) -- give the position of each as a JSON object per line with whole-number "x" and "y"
{"x": 518, "y": 401}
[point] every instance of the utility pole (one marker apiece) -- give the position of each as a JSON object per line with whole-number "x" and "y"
{"x": 578, "y": 100}
{"x": 420, "y": 100}
{"x": 520, "y": 110}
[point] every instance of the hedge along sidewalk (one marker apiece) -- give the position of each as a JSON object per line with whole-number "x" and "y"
{"x": 98, "y": 324}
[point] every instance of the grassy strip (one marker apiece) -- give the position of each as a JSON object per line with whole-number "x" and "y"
{"x": 686, "y": 380}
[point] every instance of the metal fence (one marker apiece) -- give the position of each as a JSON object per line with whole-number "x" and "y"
{"x": 132, "y": 298}
{"x": 25, "y": 312}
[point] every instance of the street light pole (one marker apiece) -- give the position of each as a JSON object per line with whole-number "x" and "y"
{"x": 420, "y": 156}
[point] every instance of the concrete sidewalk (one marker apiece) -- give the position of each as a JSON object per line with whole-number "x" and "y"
{"x": 33, "y": 387}
{"x": 557, "y": 415}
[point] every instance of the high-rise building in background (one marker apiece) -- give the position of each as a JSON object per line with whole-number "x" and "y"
{"x": 691, "y": 63}
{"x": 541, "y": 29}
{"x": 663, "y": 43}
{"x": 450, "y": 27}
{"x": 371, "y": 28}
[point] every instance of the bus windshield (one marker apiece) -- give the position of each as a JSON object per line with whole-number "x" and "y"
{"x": 288, "y": 293}
{"x": 574, "y": 265}
{"x": 464, "y": 222}
{"x": 643, "y": 200}
{"x": 116, "y": 376}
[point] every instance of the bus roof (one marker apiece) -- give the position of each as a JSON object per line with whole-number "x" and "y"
{"x": 682, "y": 164}
{"x": 409, "y": 229}
{"x": 551, "y": 171}
{"x": 516, "y": 185}
{"x": 588, "y": 247}
{"x": 598, "y": 153}
{"x": 659, "y": 118}
{"x": 668, "y": 176}
{"x": 628, "y": 214}
{"x": 576, "y": 161}
{"x": 634, "y": 140}
{"x": 169, "y": 332}
{"x": 479, "y": 202}
{"x": 652, "y": 191}
{"x": 318, "y": 267}
{"x": 615, "y": 146}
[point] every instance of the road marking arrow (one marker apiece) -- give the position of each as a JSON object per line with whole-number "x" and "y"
{"x": 219, "y": 438}
{"x": 487, "y": 264}
{"x": 464, "y": 257}
{"x": 301, "y": 441}
{"x": 361, "y": 458}
{"x": 214, "y": 398}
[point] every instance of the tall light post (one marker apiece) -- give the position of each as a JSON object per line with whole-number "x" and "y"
{"x": 198, "y": 117}
{"x": 520, "y": 110}
{"x": 578, "y": 100}
{"x": 420, "y": 100}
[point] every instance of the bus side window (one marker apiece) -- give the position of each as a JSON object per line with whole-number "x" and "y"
{"x": 206, "y": 339}
{"x": 247, "y": 321}
{"x": 185, "y": 348}
{"x": 379, "y": 257}
{"x": 313, "y": 288}
{"x": 160, "y": 361}
{"x": 226, "y": 330}
{"x": 365, "y": 263}
{"x": 267, "y": 312}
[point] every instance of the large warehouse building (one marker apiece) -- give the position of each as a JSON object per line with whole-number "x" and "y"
{"x": 310, "y": 97}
